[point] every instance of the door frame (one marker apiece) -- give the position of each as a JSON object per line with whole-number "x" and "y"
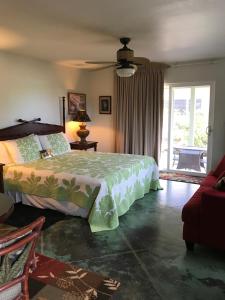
{"x": 210, "y": 121}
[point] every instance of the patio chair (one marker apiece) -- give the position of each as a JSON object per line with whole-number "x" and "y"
{"x": 16, "y": 259}
{"x": 189, "y": 159}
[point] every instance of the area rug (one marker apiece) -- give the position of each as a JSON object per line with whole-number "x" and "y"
{"x": 53, "y": 280}
{"x": 180, "y": 177}
{"x": 25, "y": 214}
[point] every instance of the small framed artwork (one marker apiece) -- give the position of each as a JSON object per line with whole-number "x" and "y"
{"x": 105, "y": 105}
{"x": 76, "y": 102}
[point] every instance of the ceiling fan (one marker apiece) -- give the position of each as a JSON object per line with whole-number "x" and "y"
{"x": 126, "y": 65}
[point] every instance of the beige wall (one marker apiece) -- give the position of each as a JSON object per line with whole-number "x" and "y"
{"x": 101, "y": 127}
{"x": 207, "y": 73}
{"x": 31, "y": 88}
{"x": 101, "y": 82}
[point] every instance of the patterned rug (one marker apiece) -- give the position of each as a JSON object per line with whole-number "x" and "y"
{"x": 53, "y": 280}
{"x": 180, "y": 177}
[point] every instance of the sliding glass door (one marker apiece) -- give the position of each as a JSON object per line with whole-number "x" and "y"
{"x": 186, "y": 128}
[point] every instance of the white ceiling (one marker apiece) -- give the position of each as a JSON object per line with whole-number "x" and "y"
{"x": 72, "y": 31}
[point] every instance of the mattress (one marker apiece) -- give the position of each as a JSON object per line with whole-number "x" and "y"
{"x": 104, "y": 184}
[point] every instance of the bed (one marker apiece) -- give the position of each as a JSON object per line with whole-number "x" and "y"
{"x": 97, "y": 186}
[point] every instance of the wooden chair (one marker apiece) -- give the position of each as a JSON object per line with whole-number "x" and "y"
{"x": 16, "y": 259}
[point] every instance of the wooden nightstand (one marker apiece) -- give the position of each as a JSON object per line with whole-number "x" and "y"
{"x": 1, "y": 178}
{"x": 79, "y": 146}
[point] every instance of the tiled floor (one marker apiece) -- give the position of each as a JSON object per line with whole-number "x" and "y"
{"x": 146, "y": 253}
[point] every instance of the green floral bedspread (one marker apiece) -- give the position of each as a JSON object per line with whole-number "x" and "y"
{"x": 104, "y": 183}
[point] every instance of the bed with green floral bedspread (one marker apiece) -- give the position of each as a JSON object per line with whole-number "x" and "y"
{"x": 104, "y": 183}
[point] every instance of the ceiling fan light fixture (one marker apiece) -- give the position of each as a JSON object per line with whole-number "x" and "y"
{"x": 127, "y": 71}
{"x": 125, "y": 65}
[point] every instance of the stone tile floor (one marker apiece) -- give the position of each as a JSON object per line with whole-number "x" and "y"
{"x": 146, "y": 252}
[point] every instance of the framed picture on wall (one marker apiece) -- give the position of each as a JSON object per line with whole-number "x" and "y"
{"x": 76, "y": 102}
{"x": 105, "y": 105}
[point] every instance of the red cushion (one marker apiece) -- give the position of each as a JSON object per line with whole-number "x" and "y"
{"x": 191, "y": 210}
{"x": 209, "y": 181}
{"x": 220, "y": 167}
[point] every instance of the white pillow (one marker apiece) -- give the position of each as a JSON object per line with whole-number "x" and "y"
{"x": 57, "y": 142}
{"x": 24, "y": 149}
{"x": 4, "y": 155}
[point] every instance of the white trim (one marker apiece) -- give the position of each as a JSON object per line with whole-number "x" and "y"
{"x": 196, "y": 62}
{"x": 211, "y": 125}
{"x": 170, "y": 110}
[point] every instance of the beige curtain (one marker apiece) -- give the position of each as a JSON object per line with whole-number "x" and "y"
{"x": 139, "y": 110}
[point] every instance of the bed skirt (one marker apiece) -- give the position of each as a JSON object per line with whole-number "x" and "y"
{"x": 65, "y": 207}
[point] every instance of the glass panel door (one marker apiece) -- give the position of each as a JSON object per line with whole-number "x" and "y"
{"x": 185, "y": 138}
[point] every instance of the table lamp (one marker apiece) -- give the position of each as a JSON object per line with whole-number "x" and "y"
{"x": 82, "y": 117}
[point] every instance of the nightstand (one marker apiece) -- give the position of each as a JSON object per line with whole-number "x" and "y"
{"x": 78, "y": 146}
{"x": 1, "y": 178}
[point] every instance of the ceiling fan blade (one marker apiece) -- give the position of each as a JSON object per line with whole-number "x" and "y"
{"x": 142, "y": 61}
{"x": 131, "y": 62}
{"x": 100, "y": 62}
{"x": 103, "y": 68}
{"x": 137, "y": 64}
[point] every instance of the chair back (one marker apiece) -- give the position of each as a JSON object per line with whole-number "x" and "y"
{"x": 220, "y": 168}
{"x": 16, "y": 258}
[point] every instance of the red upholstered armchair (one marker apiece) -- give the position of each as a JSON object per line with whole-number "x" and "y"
{"x": 204, "y": 214}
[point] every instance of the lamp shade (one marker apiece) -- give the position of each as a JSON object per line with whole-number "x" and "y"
{"x": 81, "y": 116}
{"x": 126, "y": 71}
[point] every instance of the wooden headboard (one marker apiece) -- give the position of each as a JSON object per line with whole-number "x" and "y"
{"x": 26, "y": 128}
{"x": 21, "y": 130}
